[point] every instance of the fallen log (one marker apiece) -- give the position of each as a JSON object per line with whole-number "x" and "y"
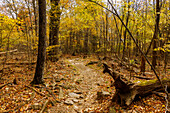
{"x": 127, "y": 91}
{"x": 19, "y": 63}
{"x": 1, "y": 53}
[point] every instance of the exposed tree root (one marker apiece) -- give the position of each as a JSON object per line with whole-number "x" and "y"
{"x": 44, "y": 106}
{"x": 32, "y": 88}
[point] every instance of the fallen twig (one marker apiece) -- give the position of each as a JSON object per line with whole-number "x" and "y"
{"x": 3, "y": 85}
{"x": 166, "y": 99}
{"x": 44, "y": 106}
{"x": 159, "y": 94}
{"x": 20, "y": 63}
{"x": 8, "y": 51}
{"x": 42, "y": 99}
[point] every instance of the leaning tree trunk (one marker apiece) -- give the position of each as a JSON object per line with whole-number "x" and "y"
{"x": 38, "y": 78}
{"x": 126, "y": 91}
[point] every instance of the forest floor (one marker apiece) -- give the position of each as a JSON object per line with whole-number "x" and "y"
{"x": 71, "y": 87}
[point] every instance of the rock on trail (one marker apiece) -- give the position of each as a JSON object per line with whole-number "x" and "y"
{"x": 85, "y": 97}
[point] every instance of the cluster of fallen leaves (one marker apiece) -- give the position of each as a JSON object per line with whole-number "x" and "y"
{"x": 21, "y": 97}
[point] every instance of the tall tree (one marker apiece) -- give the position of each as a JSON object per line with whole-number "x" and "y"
{"x": 155, "y": 36}
{"x": 125, "y": 38}
{"x": 38, "y": 78}
{"x": 35, "y": 16}
{"x": 54, "y": 28}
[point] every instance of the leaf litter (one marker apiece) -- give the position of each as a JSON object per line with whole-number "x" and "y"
{"x": 63, "y": 78}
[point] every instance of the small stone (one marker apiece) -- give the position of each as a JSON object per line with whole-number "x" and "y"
{"x": 87, "y": 110}
{"x": 80, "y": 102}
{"x": 36, "y": 106}
{"x": 61, "y": 93}
{"x": 77, "y": 109}
{"x": 68, "y": 101}
{"x": 75, "y": 100}
{"x": 6, "y": 88}
{"x": 74, "y": 95}
{"x": 105, "y": 93}
{"x": 81, "y": 96}
{"x": 102, "y": 94}
{"x": 78, "y": 92}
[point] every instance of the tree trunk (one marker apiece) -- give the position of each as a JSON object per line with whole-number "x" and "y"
{"x": 127, "y": 20}
{"x": 38, "y": 78}
{"x": 35, "y": 16}
{"x": 155, "y": 36}
{"x": 86, "y": 40}
{"x": 106, "y": 43}
{"x": 71, "y": 41}
{"x": 54, "y": 28}
{"x": 142, "y": 67}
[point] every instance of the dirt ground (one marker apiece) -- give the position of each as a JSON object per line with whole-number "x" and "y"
{"x": 71, "y": 87}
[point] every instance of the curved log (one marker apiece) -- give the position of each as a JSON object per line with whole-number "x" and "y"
{"x": 126, "y": 91}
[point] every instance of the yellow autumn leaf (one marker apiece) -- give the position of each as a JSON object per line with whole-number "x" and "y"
{"x": 163, "y": 106}
{"x": 21, "y": 109}
{"x": 135, "y": 106}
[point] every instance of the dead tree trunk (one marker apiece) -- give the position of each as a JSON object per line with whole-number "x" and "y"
{"x": 126, "y": 91}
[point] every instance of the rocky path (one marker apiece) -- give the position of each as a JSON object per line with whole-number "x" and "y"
{"x": 84, "y": 97}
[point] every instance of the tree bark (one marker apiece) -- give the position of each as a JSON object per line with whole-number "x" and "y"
{"x": 54, "y": 28}
{"x": 35, "y": 16}
{"x": 127, "y": 20}
{"x": 155, "y": 36}
{"x": 86, "y": 40}
{"x": 38, "y": 78}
